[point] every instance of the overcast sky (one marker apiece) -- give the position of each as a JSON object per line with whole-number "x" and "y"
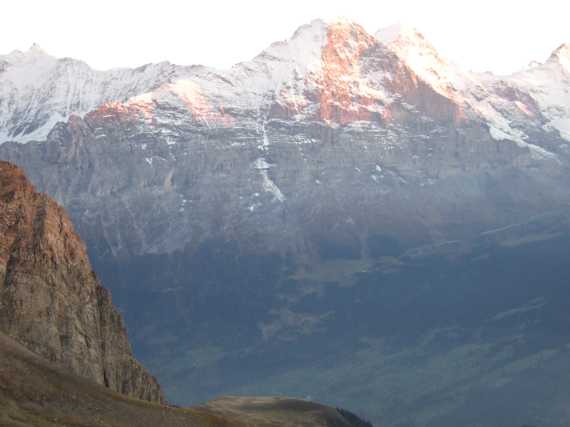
{"x": 497, "y": 35}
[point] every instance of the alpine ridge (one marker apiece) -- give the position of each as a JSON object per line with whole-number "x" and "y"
{"x": 291, "y": 78}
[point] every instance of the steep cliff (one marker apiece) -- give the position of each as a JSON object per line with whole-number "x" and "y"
{"x": 50, "y": 299}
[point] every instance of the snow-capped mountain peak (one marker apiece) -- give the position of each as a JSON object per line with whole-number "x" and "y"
{"x": 334, "y": 72}
{"x": 35, "y": 49}
{"x": 37, "y": 90}
{"x": 562, "y": 56}
{"x": 421, "y": 56}
{"x": 34, "y": 53}
{"x": 399, "y": 33}
{"x": 302, "y": 51}
{"x": 549, "y": 85}
{"x": 314, "y": 59}
{"x": 305, "y": 49}
{"x": 28, "y": 68}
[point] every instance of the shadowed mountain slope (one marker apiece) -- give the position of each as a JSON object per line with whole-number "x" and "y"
{"x": 65, "y": 359}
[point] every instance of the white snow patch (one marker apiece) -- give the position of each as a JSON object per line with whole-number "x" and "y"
{"x": 499, "y": 135}
{"x": 265, "y": 137}
{"x": 549, "y": 85}
{"x": 392, "y": 33}
{"x": 261, "y": 164}
{"x": 563, "y": 126}
{"x": 268, "y": 185}
{"x": 536, "y": 151}
{"x": 420, "y": 55}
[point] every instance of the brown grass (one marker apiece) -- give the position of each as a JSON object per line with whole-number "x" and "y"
{"x": 34, "y": 392}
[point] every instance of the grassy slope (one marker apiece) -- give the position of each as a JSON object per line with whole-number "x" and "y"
{"x": 33, "y": 392}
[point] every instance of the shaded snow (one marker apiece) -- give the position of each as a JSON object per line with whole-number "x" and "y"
{"x": 268, "y": 185}
{"x": 549, "y": 85}
{"x": 40, "y": 90}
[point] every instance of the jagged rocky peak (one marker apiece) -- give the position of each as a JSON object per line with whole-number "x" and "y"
{"x": 35, "y": 52}
{"x": 293, "y": 65}
{"x": 28, "y": 69}
{"x": 348, "y": 38}
{"x": 317, "y": 74}
{"x": 562, "y": 56}
{"x": 412, "y": 47}
{"x": 309, "y": 49}
{"x": 408, "y": 40}
{"x": 344, "y": 96}
{"x": 308, "y": 41}
{"x": 303, "y": 47}
{"x": 50, "y": 299}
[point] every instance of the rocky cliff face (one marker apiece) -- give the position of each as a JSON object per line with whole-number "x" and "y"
{"x": 50, "y": 299}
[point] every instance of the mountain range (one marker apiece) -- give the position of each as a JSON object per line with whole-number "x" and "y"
{"x": 347, "y": 216}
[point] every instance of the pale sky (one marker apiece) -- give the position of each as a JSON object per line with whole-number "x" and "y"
{"x": 496, "y": 35}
